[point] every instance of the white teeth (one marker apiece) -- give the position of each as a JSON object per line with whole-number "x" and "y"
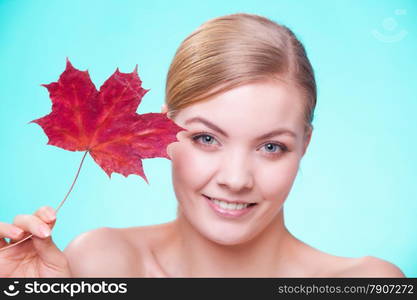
{"x": 229, "y": 206}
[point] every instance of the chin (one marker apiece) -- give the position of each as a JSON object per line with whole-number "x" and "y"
{"x": 229, "y": 242}
{"x": 222, "y": 232}
{"x": 230, "y": 238}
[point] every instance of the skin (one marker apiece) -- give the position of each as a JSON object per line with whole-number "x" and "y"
{"x": 199, "y": 243}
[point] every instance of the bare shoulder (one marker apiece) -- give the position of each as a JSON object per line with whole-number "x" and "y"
{"x": 102, "y": 252}
{"x": 370, "y": 266}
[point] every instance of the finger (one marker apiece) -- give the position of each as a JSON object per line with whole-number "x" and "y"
{"x": 32, "y": 224}
{"x": 46, "y": 214}
{"x": 10, "y": 231}
{"x": 46, "y": 248}
{"x": 50, "y": 253}
{"x": 44, "y": 245}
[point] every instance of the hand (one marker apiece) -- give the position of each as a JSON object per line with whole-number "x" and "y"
{"x": 36, "y": 257}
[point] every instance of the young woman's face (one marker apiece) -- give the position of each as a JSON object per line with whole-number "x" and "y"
{"x": 223, "y": 155}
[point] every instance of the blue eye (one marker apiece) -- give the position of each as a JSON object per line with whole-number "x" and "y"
{"x": 206, "y": 138}
{"x": 282, "y": 148}
{"x": 273, "y": 145}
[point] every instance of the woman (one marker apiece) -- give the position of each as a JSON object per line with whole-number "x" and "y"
{"x": 244, "y": 89}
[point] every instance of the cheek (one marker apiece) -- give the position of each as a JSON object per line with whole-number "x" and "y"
{"x": 189, "y": 166}
{"x": 276, "y": 179}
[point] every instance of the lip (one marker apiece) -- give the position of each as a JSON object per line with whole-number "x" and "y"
{"x": 230, "y": 201}
{"x": 228, "y": 213}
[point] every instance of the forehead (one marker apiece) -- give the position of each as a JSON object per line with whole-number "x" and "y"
{"x": 251, "y": 107}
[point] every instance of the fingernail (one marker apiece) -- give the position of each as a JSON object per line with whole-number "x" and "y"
{"x": 51, "y": 214}
{"x": 45, "y": 231}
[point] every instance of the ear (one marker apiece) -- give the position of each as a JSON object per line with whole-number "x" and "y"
{"x": 307, "y": 139}
{"x": 164, "y": 108}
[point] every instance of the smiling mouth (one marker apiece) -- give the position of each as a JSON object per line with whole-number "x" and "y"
{"x": 230, "y": 205}
{"x": 230, "y": 210}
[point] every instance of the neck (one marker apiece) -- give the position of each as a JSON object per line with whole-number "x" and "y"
{"x": 262, "y": 256}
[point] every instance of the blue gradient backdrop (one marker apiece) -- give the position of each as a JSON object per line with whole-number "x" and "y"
{"x": 355, "y": 193}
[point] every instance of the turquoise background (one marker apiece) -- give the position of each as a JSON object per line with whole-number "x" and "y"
{"x": 355, "y": 194}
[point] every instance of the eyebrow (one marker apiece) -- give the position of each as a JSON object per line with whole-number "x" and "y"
{"x": 280, "y": 131}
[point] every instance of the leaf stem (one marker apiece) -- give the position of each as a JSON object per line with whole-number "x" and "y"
{"x": 75, "y": 179}
{"x": 59, "y": 206}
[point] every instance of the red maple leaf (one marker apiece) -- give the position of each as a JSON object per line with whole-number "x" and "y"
{"x": 105, "y": 122}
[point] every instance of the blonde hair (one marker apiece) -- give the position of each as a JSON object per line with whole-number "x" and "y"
{"x": 233, "y": 50}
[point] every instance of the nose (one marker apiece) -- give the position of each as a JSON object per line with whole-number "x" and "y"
{"x": 235, "y": 172}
